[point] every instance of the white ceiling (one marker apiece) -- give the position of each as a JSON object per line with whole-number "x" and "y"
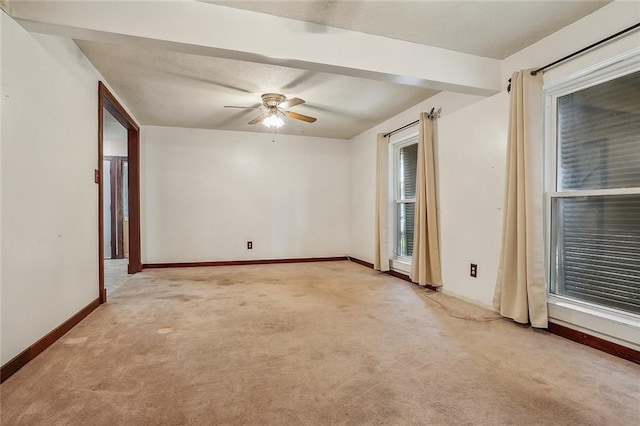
{"x": 167, "y": 88}
{"x": 173, "y": 88}
{"x": 494, "y": 29}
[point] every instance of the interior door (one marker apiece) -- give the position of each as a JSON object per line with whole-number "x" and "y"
{"x": 106, "y": 207}
{"x": 125, "y": 207}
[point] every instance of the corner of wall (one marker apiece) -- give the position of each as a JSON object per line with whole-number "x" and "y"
{"x": 48, "y": 105}
{"x": 602, "y": 23}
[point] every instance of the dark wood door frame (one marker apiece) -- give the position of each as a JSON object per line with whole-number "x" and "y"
{"x": 109, "y": 102}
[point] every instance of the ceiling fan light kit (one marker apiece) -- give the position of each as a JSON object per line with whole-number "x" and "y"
{"x": 273, "y": 121}
{"x": 274, "y": 105}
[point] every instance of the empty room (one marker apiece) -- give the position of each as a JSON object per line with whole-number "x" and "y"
{"x": 319, "y": 212}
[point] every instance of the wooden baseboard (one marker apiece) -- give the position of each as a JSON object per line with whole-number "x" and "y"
{"x": 361, "y": 262}
{"x": 390, "y": 272}
{"x": 241, "y": 262}
{"x": 19, "y": 361}
{"x": 595, "y": 342}
{"x": 399, "y": 275}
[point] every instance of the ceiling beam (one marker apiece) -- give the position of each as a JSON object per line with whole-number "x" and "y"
{"x": 206, "y": 29}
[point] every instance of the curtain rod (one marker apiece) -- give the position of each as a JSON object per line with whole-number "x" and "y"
{"x": 401, "y": 128}
{"x": 432, "y": 115}
{"x": 591, "y": 46}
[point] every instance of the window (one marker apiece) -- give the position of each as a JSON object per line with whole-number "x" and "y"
{"x": 405, "y": 160}
{"x": 594, "y": 189}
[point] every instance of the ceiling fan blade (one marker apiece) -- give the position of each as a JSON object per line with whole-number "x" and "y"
{"x": 299, "y": 116}
{"x": 242, "y": 107}
{"x": 258, "y": 119}
{"x": 290, "y": 103}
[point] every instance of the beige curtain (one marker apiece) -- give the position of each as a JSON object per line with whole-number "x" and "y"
{"x": 381, "y": 258}
{"x": 520, "y": 289}
{"x": 425, "y": 266}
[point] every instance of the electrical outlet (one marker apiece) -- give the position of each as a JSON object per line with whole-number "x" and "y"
{"x": 249, "y": 245}
{"x": 474, "y": 270}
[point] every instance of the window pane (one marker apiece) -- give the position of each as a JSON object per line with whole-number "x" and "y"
{"x": 405, "y": 215}
{"x": 596, "y": 250}
{"x": 599, "y": 136}
{"x": 408, "y": 167}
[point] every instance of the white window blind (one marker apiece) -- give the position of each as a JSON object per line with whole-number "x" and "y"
{"x": 598, "y": 250}
{"x": 595, "y": 213}
{"x": 403, "y": 146}
{"x": 406, "y": 204}
{"x": 598, "y": 136}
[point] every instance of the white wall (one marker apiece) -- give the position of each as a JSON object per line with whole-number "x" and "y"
{"x": 49, "y": 200}
{"x": 471, "y": 151}
{"x": 363, "y": 169}
{"x": 2, "y": 18}
{"x": 471, "y": 137}
{"x": 471, "y": 156}
{"x": 205, "y": 193}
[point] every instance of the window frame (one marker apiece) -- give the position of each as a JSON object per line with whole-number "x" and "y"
{"x": 398, "y": 261}
{"x": 612, "y": 69}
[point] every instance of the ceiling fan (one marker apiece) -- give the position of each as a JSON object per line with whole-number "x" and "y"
{"x": 274, "y": 106}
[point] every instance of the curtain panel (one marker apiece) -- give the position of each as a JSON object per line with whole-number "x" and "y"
{"x": 381, "y": 256}
{"x": 425, "y": 266}
{"x": 520, "y": 292}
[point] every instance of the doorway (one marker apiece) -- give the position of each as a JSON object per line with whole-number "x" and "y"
{"x": 115, "y": 200}
{"x": 119, "y": 194}
{"x": 115, "y": 203}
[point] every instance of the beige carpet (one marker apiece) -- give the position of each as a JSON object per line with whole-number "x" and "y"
{"x": 316, "y": 343}
{"x": 115, "y": 274}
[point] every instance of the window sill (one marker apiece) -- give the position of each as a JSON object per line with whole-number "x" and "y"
{"x": 610, "y": 325}
{"x": 401, "y": 265}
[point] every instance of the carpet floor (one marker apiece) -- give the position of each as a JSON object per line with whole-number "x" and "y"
{"x": 307, "y": 344}
{"x": 115, "y": 274}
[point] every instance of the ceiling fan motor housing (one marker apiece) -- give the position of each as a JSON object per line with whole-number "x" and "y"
{"x": 272, "y": 99}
